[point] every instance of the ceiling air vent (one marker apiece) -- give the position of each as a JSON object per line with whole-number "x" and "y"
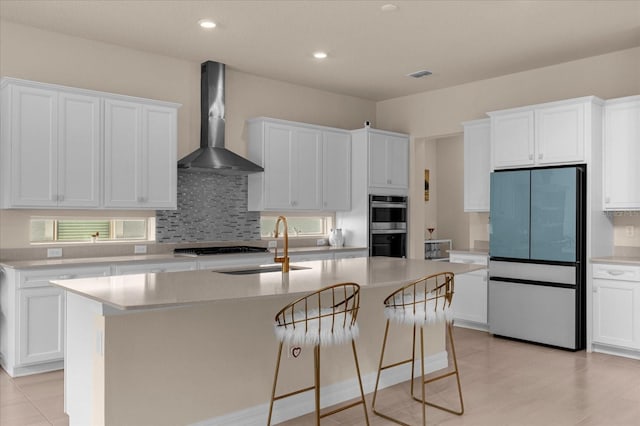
{"x": 420, "y": 74}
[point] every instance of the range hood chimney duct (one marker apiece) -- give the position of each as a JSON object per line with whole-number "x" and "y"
{"x": 212, "y": 156}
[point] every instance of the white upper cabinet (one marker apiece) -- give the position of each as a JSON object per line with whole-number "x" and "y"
{"x": 546, "y": 134}
{"x": 140, "y": 155}
{"x": 560, "y": 133}
{"x": 512, "y": 139}
{"x": 388, "y": 160}
{"x": 57, "y": 142}
{"x": 622, "y": 154}
{"x": 50, "y": 147}
{"x": 305, "y": 167}
{"x": 477, "y": 165}
{"x": 336, "y": 164}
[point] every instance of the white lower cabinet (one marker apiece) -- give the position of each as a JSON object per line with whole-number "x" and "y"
{"x": 616, "y": 309}
{"x": 470, "y": 293}
{"x": 41, "y": 325}
{"x": 32, "y": 317}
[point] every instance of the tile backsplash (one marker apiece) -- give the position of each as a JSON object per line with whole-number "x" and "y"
{"x": 211, "y": 207}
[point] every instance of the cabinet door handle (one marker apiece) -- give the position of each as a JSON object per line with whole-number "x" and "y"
{"x": 155, "y": 271}
{"x": 614, "y": 272}
{"x": 540, "y": 156}
{"x": 66, "y": 277}
{"x": 389, "y": 181}
{"x": 60, "y": 197}
{"x": 607, "y": 200}
{"x": 530, "y": 156}
{"x": 595, "y": 289}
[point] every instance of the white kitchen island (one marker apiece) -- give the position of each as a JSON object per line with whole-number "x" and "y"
{"x": 198, "y": 347}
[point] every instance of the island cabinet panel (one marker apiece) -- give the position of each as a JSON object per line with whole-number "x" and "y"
{"x": 616, "y": 304}
{"x": 306, "y": 168}
{"x": 621, "y": 154}
{"x": 477, "y": 165}
{"x": 545, "y": 134}
{"x": 51, "y": 148}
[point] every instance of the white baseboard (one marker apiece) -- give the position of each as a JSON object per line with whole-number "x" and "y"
{"x": 301, "y": 404}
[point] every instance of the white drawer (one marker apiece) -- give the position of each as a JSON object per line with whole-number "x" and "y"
{"x": 475, "y": 259}
{"x": 616, "y": 272}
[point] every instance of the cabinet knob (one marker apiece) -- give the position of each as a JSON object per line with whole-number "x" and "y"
{"x": 389, "y": 181}
{"x": 141, "y": 199}
{"x": 530, "y": 156}
{"x": 540, "y": 156}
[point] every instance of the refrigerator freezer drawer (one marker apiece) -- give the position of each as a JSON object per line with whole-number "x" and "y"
{"x": 534, "y": 313}
{"x": 533, "y": 272}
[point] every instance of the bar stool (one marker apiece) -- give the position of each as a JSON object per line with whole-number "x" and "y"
{"x": 423, "y": 302}
{"x": 323, "y": 318}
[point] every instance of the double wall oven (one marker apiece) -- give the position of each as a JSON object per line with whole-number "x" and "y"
{"x": 387, "y": 225}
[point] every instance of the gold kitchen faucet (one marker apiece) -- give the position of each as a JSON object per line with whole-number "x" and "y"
{"x": 285, "y": 258}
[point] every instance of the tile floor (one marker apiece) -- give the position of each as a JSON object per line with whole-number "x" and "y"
{"x": 503, "y": 383}
{"x": 32, "y": 400}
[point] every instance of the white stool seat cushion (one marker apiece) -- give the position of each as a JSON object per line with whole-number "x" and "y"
{"x": 322, "y": 327}
{"x": 435, "y": 310}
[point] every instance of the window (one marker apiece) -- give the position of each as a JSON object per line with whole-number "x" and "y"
{"x": 299, "y": 226}
{"x": 82, "y": 230}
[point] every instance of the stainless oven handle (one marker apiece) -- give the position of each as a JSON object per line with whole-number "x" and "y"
{"x": 388, "y": 231}
{"x": 389, "y": 205}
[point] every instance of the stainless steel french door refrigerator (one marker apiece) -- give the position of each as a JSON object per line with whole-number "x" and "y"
{"x": 537, "y": 255}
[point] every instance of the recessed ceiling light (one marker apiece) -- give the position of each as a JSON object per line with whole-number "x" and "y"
{"x": 320, "y": 55}
{"x": 207, "y": 23}
{"x": 389, "y": 8}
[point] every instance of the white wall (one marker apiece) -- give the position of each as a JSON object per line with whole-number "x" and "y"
{"x": 34, "y": 54}
{"x": 439, "y": 113}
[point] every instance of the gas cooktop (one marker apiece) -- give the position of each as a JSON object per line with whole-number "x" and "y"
{"x": 205, "y": 251}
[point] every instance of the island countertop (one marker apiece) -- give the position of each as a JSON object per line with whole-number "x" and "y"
{"x": 168, "y": 289}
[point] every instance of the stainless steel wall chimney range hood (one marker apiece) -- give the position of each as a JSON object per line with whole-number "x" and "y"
{"x": 212, "y": 155}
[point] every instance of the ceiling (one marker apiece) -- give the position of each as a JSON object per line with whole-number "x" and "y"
{"x": 370, "y": 51}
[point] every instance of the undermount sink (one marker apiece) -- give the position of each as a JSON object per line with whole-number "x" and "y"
{"x": 260, "y": 270}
